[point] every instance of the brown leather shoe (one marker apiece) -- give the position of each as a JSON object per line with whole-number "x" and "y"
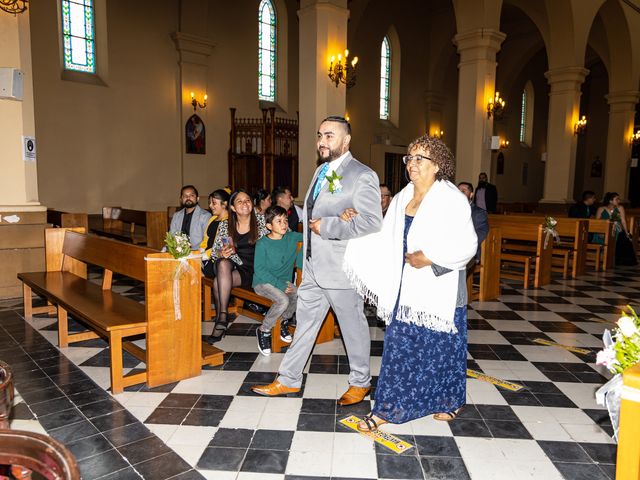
{"x": 353, "y": 395}
{"x": 274, "y": 389}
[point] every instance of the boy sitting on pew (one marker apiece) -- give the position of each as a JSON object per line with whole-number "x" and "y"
{"x": 273, "y": 268}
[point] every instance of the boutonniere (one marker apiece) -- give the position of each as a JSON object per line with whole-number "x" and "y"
{"x": 334, "y": 182}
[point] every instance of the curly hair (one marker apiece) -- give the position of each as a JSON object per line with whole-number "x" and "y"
{"x": 439, "y": 154}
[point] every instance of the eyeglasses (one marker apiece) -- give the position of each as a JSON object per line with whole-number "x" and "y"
{"x": 414, "y": 158}
{"x": 385, "y": 194}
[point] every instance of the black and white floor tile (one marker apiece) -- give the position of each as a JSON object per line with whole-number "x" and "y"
{"x": 214, "y": 427}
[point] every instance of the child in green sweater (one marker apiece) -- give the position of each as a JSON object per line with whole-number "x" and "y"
{"x": 273, "y": 265}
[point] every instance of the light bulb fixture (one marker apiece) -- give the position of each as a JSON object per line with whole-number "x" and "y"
{"x": 635, "y": 138}
{"x": 195, "y": 103}
{"x": 438, "y": 134}
{"x": 495, "y": 106}
{"x": 581, "y": 126}
{"x": 504, "y": 144}
{"x": 340, "y": 72}
{"x": 13, "y": 6}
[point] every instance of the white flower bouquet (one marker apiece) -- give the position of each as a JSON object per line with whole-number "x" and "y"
{"x": 178, "y": 244}
{"x": 550, "y": 229}
{"x": 621, "y": 351}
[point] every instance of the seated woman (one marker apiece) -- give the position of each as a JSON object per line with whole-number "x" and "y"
{"x": 612, "y": 210}
{"x": 261, "y": 200}
{"x": 218, "y": 204}
{"x": 426, "y": 241}
{"x": 232, "y": 255}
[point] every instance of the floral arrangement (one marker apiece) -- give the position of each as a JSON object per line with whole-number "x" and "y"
{"x": 334, "y": 182}
{"x": 178, "y": 244}
{"x": 550, "y": 230}
{"x": 624, "y": 351}
{"x": 617, "y": 356}
{"x": 550, "y": 223}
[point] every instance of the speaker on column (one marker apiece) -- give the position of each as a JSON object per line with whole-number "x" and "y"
{"x": 10, "y": 83}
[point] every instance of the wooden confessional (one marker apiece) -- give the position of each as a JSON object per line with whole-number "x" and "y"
{"x": 263, "y": 152}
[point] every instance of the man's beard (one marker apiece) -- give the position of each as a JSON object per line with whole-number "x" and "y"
{"x": 333, "y": 155}
{"x": 189, "y": 204}
{"x": 482, "y": 184}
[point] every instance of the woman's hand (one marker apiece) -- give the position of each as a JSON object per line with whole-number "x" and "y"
{"x": 417, "y": 259}
{"x": 226, "y": 251}
{"x": 348, "y": 214}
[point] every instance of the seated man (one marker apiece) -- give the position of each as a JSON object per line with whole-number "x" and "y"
{"x": 385, "y": 198}
{"x": 282, "y": 197}
{"x": 478, "y": 216}
{"x": 190, "y": 219}
{"x": 586, "y": 208}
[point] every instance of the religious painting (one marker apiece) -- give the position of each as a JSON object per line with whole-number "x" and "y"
{"x": 500, "y": 164}
{"x": 195, "y": 135}
{"x": 596, "y": 168}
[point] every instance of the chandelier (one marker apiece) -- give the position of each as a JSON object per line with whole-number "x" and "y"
{"x": 13, "y": 6}
{"x": 343, "y": 72}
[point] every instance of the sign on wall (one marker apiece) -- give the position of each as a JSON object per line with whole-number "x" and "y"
{"x": 28, "y": 149}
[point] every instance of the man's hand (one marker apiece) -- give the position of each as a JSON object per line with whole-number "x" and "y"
{"x": 348, "y": 214}
{"x": 417, "y": 259}
{"x": 314, "y": 225}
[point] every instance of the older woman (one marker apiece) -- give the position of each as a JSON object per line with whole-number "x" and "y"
{"x": 232, "y": 252}
{"x": 418, "y": 285}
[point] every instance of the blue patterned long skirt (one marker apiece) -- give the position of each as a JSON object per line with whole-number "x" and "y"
{"x": 423, "y": 371}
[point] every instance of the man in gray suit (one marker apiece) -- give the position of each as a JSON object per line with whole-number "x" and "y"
{"x": 340, "y": 183}
{"x": 191, "y": 219}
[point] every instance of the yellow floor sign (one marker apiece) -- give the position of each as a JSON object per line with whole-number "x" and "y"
{"x": 514, "y": 387}
{"x": 385, "y": 439}
{"x": 542, "y": 341}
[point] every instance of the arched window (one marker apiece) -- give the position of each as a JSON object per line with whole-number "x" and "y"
{"x": 526, "y": 115}
{"x": 78, "y": 35}
{"x": 267, "y": 51}
{"x": 385, "y": 78}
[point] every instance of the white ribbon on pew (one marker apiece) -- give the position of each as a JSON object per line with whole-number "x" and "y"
{"x": 551, "y": 232}
{"x": 609, "y": 395}
{"x": 183, "y": 267}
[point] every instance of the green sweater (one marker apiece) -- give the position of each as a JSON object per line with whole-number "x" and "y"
{"x": 274, "y": 260}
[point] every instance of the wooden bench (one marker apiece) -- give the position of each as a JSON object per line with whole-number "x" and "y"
{"x": 58, "y": 218}
{"x": 519, "y": 236}
{"x": 247, "y": 295}
{"x": 134, "y": 226}
{"x": 488, "y": 270}
{"x": 174, "y": 349}
{"x": 570, "y": 255}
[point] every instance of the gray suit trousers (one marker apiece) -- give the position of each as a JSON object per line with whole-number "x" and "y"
{"x": 313, "y": 305}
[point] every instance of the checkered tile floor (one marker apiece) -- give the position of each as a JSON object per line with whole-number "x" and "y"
{"x": 213, "y": 427}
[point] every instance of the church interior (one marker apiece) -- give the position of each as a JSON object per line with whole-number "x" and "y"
{"x": 109, "y": 107}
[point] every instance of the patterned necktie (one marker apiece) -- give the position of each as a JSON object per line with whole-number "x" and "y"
{"x": 320, "y": 180}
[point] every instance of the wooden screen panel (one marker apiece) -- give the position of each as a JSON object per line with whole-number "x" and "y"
{"x": 394, "y": 171}
{"x": 247, "y": 172}
{"x": 116, "y": 256}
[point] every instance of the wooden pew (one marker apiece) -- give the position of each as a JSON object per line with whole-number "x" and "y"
{"x": 570, "y": 255}
{"x": 536, "y": 263}
{"x": 134, "y": 226}
{"x": 243, "y": 295}
{"x": 58, "y": 218}
{"x": 488, "y": 269}
{"x": 633, "y": 224}
{"x": 628, "y": 457}
{"x": 174, "y": 349}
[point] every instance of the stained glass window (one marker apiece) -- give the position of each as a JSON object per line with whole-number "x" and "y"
{"x": 385, "y": 78}
{"x": 78, "y": 35}
{"x": 266, "y": 51}
{"x": 523, "y": 116}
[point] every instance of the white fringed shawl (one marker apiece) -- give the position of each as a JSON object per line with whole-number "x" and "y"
{"x": 443, "y": 230}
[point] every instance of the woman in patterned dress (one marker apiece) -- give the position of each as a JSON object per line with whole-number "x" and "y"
{"x": 418, "y": 284}
{"x": 232, "y": 253}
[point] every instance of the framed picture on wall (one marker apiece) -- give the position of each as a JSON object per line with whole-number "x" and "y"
{"x": 525, "y": 173}
{"x": 596, "y": 168}
{"x": 195, "y": 139}
{"x": 500, "y": 164}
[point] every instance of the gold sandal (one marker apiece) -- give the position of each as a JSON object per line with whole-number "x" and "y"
{"x": 368, "y": 424}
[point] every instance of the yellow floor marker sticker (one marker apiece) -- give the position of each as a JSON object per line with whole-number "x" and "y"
{"x": 385, "y": 439}
{"x": 514, "y": 387}
{"x": 542, "y": 341}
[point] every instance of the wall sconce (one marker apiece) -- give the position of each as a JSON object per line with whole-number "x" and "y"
{"x": 495, "y": 106}
{"x": 343, "y": 72}
{"x": 581, "y": 126}
{"x": 504, "y": 144}
{"x": 635, "y": 138}
{"x": 13, "y": 6}
{"x": 438, "y": 134}
{"x": 195, "y": 103}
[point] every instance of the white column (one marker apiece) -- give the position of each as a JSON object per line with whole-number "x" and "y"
{"x": 476, "y": 84}
{"x": 323, "y": 33}
{"x": 564, "y": 112}
{"x": 622, "y": 109}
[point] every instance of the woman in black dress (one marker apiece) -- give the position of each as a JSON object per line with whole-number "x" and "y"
{"x": 232, "y": 253}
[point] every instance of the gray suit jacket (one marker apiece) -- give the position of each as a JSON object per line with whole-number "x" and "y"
{"x": 361, "y": 191}
{"x": 199, "y": 222}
